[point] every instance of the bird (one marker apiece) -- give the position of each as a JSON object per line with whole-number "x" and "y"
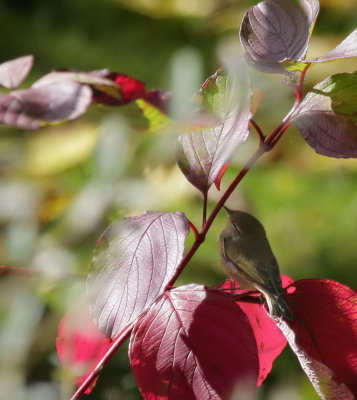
{"x": 248, "y": 259}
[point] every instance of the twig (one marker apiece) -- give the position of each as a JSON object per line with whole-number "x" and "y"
{"x": 278, "y": 137}
{"x": 299, "y": 87}
{"x": 201, "y": 236}
{"x": 194, "y": 229}
{"x": 259, "y": 131}
{"x": 116, "y": 344}
{"x": 204, "y": 216}
{"x": 264, "y": 147}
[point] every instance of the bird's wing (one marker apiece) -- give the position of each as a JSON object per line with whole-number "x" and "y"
{"x": 275, "y": 273}
{"x": 264, "y": 271}
{"x": 241, "y": 265}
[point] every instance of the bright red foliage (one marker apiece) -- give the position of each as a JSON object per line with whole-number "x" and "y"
{"x": 323, "y": 334}
{"x": 80, "y": 344}
{"x": 217, "y": 182}
{"x": 128, "y": 90}
{"x": 270, "y": 340}
{"x": 194, "y": 344}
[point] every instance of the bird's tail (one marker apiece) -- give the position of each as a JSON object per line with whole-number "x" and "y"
{"x": 278, "y": 306}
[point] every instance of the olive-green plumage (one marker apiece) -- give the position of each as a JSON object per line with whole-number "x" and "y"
{"x": 248, "y": 259}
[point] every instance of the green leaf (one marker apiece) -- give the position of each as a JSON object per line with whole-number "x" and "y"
{"x": 327, "y": 117}
{"x": 157, "y": 119}
{"x": 342, "y": 90}
{"x": 291, "y": 65}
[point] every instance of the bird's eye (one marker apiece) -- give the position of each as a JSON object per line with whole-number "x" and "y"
{"x": 238, "y": 229}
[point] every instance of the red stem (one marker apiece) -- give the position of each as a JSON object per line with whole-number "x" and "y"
{"x": 116, "y": 344}
{"x": 194, "y": 229}
{"x": 298, "y": 89}
{"x": 259, "y": 131}
{"x": 278, "y": 137}
{"x": 264, "y": 147}
{"x": 204, "y": 216}
{"x": 201, "y": 236}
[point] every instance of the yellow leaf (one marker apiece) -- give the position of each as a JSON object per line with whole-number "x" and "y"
{"x": 57, "y": 149}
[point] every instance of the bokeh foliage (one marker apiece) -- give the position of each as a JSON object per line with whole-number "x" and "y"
{"x": 62, "y": 185}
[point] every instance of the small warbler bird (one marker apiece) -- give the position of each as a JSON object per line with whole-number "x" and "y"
{"x": 248, "y": 259}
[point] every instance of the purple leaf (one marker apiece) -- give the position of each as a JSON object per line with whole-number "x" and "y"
{"x": 45, "y": 103}
{"x": 346, "y": 49}
{"x": 276, "y": 30}
{"x": 194, "y": 343}
{"x": 133, "y": 263}
{"x": 202, "y": 153}
{"x": 88, "y": 78}
{"x": 112, "y": 88}
{"x": 327, "y": 116}
{"x": 13, "y": 72}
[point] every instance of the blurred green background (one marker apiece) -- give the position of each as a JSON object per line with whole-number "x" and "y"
{"x": 61, "y": 186}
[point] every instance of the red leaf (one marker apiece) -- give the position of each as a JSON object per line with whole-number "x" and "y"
{"x": 217, "y": 182}
{"x": 128, "y": 89}
{"x": 286, "y": 280}
{"x": 80, "y": 344}
{"x": 194, "y": 343}
{"x": 270, "y": 341}
{"x": 323, "y": 335}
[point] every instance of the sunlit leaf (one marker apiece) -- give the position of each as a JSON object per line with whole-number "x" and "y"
{"x": 276, "y": 30}
{"x": 158, "y": 120}
{"x": 346, "y": 49}
{"x": 342, "y": 91}
{"x": 194, "y": 343}
{"x": 13, "y": 72}
{"x": 323, "y": 335}
{"x": 89, "y": 78}
{"x": 327, "y": 116}
{"x": 270, "y": 341}
{"x": 291, "y": 65}
{"x": 134, "y": 261}
{"x": 202, "y": 153}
